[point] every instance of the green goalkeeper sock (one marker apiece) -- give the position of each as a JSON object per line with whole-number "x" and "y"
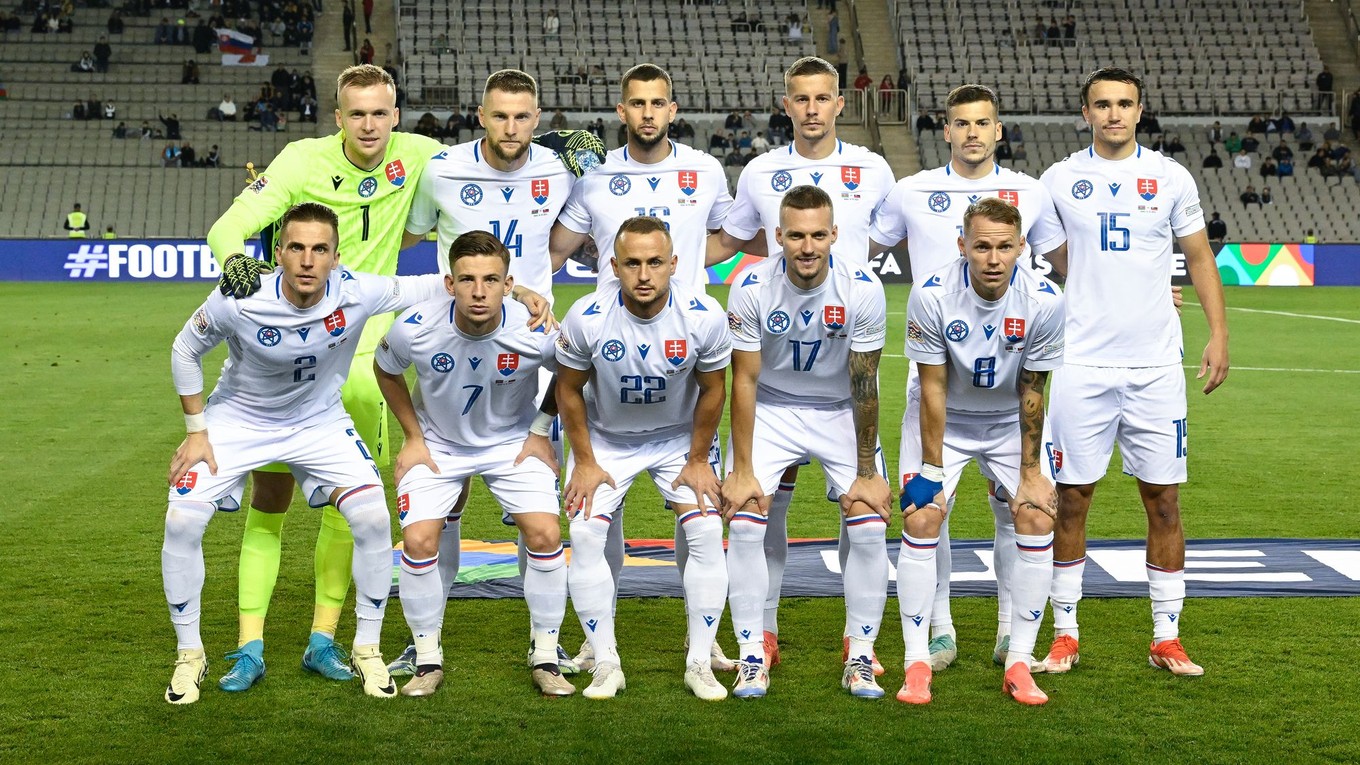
{"x": 258, "y": 571}
{"x": 334, "y": 553}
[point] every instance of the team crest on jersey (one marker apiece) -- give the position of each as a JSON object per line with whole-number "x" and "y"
{"x": 781, "y": 181}
{"x": 938, "y": 202}
{"x": 269, "y": 336}
{"x": 258, "y": 184}
{"x": 1082, "y": 189}
{"x": 368, "y": 187}
{"x": 689, "y": 182}
{"x": 186, "y": 483}
{"x": 612, "y": 350}
{"x": 1009, "y": 196}
{"x": 335, "y": 323}
{"x": 620, "y": 185}
{"x": 1147, "y": 188}
{"x": 957, "y": 331}
{"x": 850, "y": 177}
{"x": 833, "y": 316}
{"x": 470, "y": 194}
{"x": 403, "y": 506}
{"x": 507, "y": 363}
{"x": 396, "y": 173}
{"x": 676, "y": 351}
{"x": 538, "y": 189}
{"x": 777, "y": 322}
{"x": 1013, "y": 329}
{"x": 441, "y": 363}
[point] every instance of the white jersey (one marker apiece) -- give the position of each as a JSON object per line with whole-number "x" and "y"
{"x": 805, "y": 336}
{"x": 926, "y": 209}
{"x": 642, "y": 386}
{"x": 687, "y": 190}
{"x": 1121, "y": 218}
{"x": 285, "y": 364}
{"x": 856, "y": 179}
{"x": 985, "y": 344}
{"x": 460, "y": 192}
{"x": 471, "y": 392}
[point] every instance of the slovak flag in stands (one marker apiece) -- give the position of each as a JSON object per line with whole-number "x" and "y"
{"x": 850, "y": 177}
{"x": 1147, "y": 188}
{"x": 231, "y": 41}
{"x": 1009, "y": 196}
{"x": 507, "y": 363}
{"x": 676, "y": 351}
{"x": 689, "y": 182}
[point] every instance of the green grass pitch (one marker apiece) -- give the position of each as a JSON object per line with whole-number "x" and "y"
{"x": 91, "y": 420}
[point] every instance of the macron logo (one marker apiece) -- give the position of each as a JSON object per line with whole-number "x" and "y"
{"x": 708, "y": 620}
{"x": 592, "y": 624}
{"x": 85, "y": 262}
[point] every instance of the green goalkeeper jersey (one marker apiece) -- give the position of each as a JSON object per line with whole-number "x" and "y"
{"x": 372, "y": 205}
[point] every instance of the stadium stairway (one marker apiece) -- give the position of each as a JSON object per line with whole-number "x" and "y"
{"x": 1328, "y": 22}
{"x": 878, "y": 38}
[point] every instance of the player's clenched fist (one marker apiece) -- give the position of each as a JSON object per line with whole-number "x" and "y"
{"x": 241, "y": 276}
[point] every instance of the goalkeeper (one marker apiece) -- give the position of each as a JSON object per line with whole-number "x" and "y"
{"x": 362, "y": 172}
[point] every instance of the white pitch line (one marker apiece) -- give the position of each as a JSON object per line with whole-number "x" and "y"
{"x": 1234, "y": 369}
{"x": 1291, "y": 315}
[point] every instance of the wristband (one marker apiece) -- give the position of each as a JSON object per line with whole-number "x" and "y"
{"x": 542, "y": 424}
{"x": 195, "y": 423}
{"x": 932, "y": 472}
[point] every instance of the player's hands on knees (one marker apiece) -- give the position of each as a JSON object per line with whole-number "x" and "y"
{"x": 580, "y": 491}
{"x": 921, "y": 492}
{"x": 194, "y": 449}
{"x": 1036, "y": 492}
{"x": 540, "y": 310}
{"x": 1214, "y": 363}
{"x": 871, "y": 490}
{"x": 698, "y": 475}
{"x": 540, "y": 448}
{"x": 412, "y": 453}
{"x": 241, "y": 276}
{"x": 1177, "y": 297}
{"x": 741, "y": 493}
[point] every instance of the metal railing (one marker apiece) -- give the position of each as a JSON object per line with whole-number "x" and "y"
{"x": 892, "y": 107}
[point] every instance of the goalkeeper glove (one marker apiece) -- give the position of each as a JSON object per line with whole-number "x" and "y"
{"x": 579, "y": 150}
{"x": 922, "y": 488}
{"x": 241, "y": 276}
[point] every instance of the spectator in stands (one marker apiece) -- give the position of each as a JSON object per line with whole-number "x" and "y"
{"x": 115, "y": 23}
{"x": 1158, "y": 143}
{"x": 85, "y": 64}
{"x": 1285, "y": 167}
{"x": 1257, "y": 125}
{"x": 1331, "y": 133}
{"x": 203, "y": 38}
{"x": 1040, "y": 32}
{"x": 734, "y": 158}
{"x": 1148, "y": 123}
{"x": 1212, "y": 161}
{"x": 1319, "y": 161}
{"x": 64, "y": 23}
{"x": 1173, "y": 145}
{"x": 453, "y": 126}
{"x": 780, "y": 126}
{"x": 838, "y": 60}
{"x": 1282, "y": 151}
{"x": 1266, "y": 197}
{"x": 1269, "y": 169}
{"x": 348, "y": 23}
{"x": 1310, "y": 237}
{"x": 1242, "y": 160}
{"x": 187, "y": 156}
{"x": 759, "y": 144}
{"x": 1052, "y": 34}
{"x": 110, "y": 111}
{"x": 427, "y": 125}
{"x": 1250, "y": 197}
{"x": 863, "y": 81}
{"x": 146, "y": 132}
{"x": 1233, "y": 144}
{"x": 470, "y": 120}
{"x": 924, "y": 124}
{"x": 885, "y": 94}
{"x": 366, "y": 51}
{"x": 684, "y": 131}
{"x": 795, "y": 28}
{"x": 558, "y": 121}
{"x": 170, "y": 156}
{"x": 214, "y": 157}
{"x": 1354, "y": 113}
{"x": 733, "y": 122}
{"x": 1323, "y": 99}
{"x": 1215, "y": 134}
{"x": 226, "y": 110}
{"x": 748, "y": 121}
{"x": 718, "y": 141}
{"x": 1285, "y": 124}
{"x": 597, "y": 127}
{"x": 307, "y": 109}
{"x": 102, "y": 53}
{"x": 77, "y": 223}
{"x": 1250, "y": 144}
{"x": 269, "y": 119}
{"x": 1217, "y": 229}
{"x": 552, "y": 25}
{"x": 1338, "y": 152}
{"x": 165, "y": 32}
{"x": 1304, "y": 136}
{"x": 1070, "y": 31}
{"x": 171, "y": 124}
{"x": 1003, "y": 150}
{"x": 121, "y": 131}
{"x": 188, "y": 74}
{"x": 1018, "y": 153}
{"x": 744, "y": 141}
{"x": 109, "y": 233}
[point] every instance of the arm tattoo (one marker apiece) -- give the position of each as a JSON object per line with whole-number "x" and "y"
{"x": 1031, "y": 416}
{"x": 864, "y": 396}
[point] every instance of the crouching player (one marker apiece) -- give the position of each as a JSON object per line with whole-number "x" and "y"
{"x": 476, "y": 366}
{"x": 290, "y": 346}
{"x": 984, "y": 334}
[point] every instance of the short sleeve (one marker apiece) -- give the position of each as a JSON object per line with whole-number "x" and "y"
{"x": 716, "y": 349}
{"x": 397, "y": 293}
{"x": 1046, "y": 233}
{"x": 743, "y": 217}
{"x": 890, "y": 221}
{"x": 1187, "y": 216}
{"x": 1044, "y": 351}
{"x": 871, "y": 315}
{"x": 547, "y": 348}
{"x": 925, "y": 341}
{"x": 722, "y": 205}
{"x": 743, "y": 315}
{"x": 393, "y": 353}
{"x": 424, "y": 210}
{"x": 575, "y": 214}
{"x": 574, "y": 347}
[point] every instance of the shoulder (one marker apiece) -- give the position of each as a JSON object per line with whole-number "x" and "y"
{"x": 414, "y": 144}
{"x": 419, "y": 318}
{"x": 689, "y": 157}
{"x": 1039, "y": 289}
{"x": 591, "y": 308}
{"x": 756, "y": 276}
{"x": 769, "y": 161}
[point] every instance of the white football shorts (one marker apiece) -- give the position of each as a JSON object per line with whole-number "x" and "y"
{"x": 1142, "y": 409}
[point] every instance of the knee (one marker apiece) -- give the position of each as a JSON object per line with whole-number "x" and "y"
{"x": 924, "y": 523}
{"x": 186, "y": 521}
{"x": 1163, "y": 508}
{"x": 1074, "y": 502}
{"x": 588, "y": 537}
{"x": 419, "y": 543}
{"x": 271, "y": 492}
{"x": 745, "y": 530}
{"x": 541, "y": 538}
{"x": 1032, "y": 521}
{"x": 864, "y": 530}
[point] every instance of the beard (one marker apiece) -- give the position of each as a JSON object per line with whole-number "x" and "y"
{"x": 662, "y": 133}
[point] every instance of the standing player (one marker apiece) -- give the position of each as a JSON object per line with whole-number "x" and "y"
{"x": 1122, "y": 382}
{"x": 655, "y": 354}
{"x": 984, "y": 334}
{"x": 808, "y": 330}
{"x": 857, "y": 180}
{"x": 476, "y": 378}
{"x": 925, "y": 213}
{"x": 651, "y": 175}
{"x": 289, "y": 350}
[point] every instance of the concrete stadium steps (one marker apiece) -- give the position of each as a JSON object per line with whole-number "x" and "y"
{"x": 92, "y": 144}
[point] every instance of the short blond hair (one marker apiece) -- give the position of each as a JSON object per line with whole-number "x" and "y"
{"x": 364, "y": 76}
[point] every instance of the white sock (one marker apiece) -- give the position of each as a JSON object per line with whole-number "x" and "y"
{"x": 941, "y": 619}
{"x": 591, "y": 586}
{"x": 1066, "y": 594}
{"x": 1167, "y": 589}
{"x": 705, "y": 583}
{"x": 545, "y": 592}
{"x": 365, "y": 510}
{"x": 1003, "y": 559}
{"x": 866, "y": 581}
{"x": 423, "y": 604}
{"x": 681, "y": 549}
{"x": 777, "y": 552}
{"x": 916, "y": 593}
{"x": 748, "y": 582}
{"x": 450, "y": 551}
{"x": 1031, "y": 580}
{"x": 182, "y": 569}
{"x": 614, "y": 554}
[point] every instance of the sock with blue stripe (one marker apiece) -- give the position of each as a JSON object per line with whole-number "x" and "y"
{"x": 705, "y": 580}
{"x": 182, "y": 568}
{"x": 1003, "y": 558}
{"x": 777, "y": 551}
{"x": 545, "y": 592}
{"x": 916, "y": 593}
{"x": 866, "y": 581}
{"x": 423, "y": 604}
{"x": 592, "y": 585}
{"x": 365, "y": 510}
{"x": 1167, "y": 589}
{"x": 748, "y": 582}
{"x": 1066, "y": 594}
{"x": 941, "y": 617}
{"x": 1031, "y": 580}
